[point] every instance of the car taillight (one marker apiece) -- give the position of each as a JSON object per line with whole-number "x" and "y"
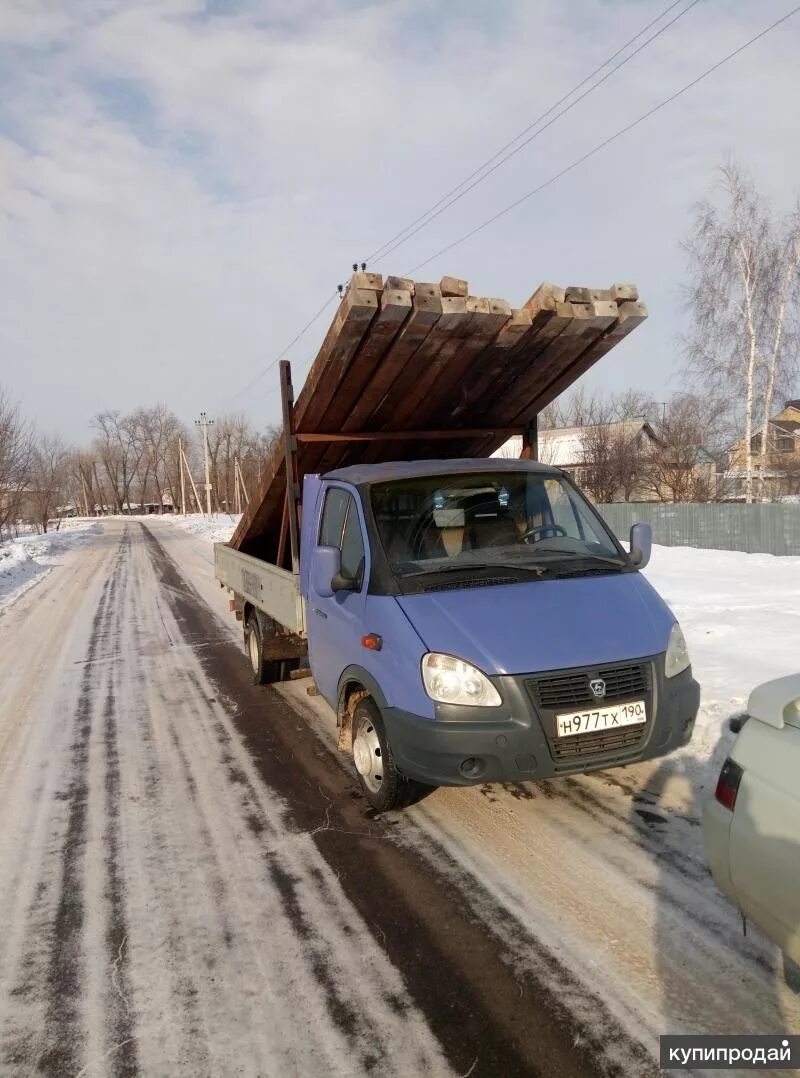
{"x": 728, "y": 784}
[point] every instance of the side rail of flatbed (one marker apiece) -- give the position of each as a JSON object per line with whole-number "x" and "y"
{"x": 270, "y": 589}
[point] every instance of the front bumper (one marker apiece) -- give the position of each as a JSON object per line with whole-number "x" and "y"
{"x": 464, "y": 746}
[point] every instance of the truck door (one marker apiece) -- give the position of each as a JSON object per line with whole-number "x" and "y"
{"x": 335, "y": 623}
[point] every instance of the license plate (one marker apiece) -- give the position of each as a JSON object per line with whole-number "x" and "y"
{"x": 600, "y": 718}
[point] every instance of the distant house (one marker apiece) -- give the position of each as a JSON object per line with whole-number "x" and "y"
{"x": 585, "y": 451}
{"x": 568, "y": 447}
{"x": 625, "y": 461}
{"x": 781, "y": 473}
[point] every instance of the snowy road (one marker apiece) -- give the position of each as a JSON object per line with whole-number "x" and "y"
{"x": 188, "y": 887}
{"x": 596, "y": 887}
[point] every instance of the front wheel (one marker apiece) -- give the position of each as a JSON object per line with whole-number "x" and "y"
{"x": 382, "y": 784}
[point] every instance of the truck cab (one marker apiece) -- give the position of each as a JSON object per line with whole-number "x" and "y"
{"x": 475, "y": 621}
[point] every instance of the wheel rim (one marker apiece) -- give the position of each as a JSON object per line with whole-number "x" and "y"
{"x": 252, "y": 647}
{"x": 368, "y": 755}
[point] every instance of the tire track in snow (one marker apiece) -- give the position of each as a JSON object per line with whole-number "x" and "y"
{"x": 296, "y": 874}
{"x": 33, "y": 791}
{"x": 65, "y": 1030}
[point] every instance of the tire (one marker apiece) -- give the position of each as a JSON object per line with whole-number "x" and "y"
{"x": 381, "y": 783}
{"x": 263, "y": 671}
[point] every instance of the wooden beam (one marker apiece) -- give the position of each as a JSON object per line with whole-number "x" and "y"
{"x": 482, "y": 380}
{"x": 357, "y": 309}
{"x": 459, "y": 356}
{"x": 370, "y": 281}
{"x": 400, "y": 366}
{"x": 406, "y": 435}
{"x": 624, "y": 293}
{"x": 454, "y": 286}
{"x": 588, "y": 321}
{"x": 351, "y": 321}
{"x": 395, "y": 308}
{"x": 631, "y": 315}
{"x": 400, "y": 284}
{"x": 292, "y": 498}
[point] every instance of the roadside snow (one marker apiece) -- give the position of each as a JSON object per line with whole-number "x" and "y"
{"x": 217, "y": 529}
{"x": 24, "y": 561}
{"x": 741, "y": 617}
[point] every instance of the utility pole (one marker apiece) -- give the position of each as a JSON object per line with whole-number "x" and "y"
{"x": 204, "y": 423}
{"x": 241, "y": 490}
{"x": 83, "y": 484}
{"x": 194, "y": 488}
{"x": 183, "y": 480}
{"x": 100, "y": 494}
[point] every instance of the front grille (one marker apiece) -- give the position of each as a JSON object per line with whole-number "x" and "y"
{"x": 560, "y": 692}
{"x": 610, "y": 741}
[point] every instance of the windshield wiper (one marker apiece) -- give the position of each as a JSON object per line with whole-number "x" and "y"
{"x": 587, "y": 555}
{"x": 471, "y": 566}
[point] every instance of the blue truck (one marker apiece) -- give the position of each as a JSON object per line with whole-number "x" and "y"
{"x": 469, "y": 621}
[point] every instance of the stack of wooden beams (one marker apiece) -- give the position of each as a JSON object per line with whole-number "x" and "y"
{"x": 421, "y": 360}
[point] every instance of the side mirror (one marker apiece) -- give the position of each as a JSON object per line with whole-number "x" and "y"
{"x": 326, "y": 565}
{"x": 641, "y": 544}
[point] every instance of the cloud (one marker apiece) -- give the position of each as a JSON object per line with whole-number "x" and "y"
{"x": 181, "y": 184}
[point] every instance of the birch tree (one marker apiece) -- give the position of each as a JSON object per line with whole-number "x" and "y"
{"x": 743, "y": 266}
{"x": 783, "y": 333}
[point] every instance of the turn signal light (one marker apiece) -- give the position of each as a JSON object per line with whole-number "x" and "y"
{"x": 372, "y": 642}
{"x": 728, "y": 784}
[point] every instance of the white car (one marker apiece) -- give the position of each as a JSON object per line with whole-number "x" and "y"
{"x": 751, "y": 827}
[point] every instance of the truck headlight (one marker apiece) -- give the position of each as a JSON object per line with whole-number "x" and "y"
{"x": 452, "y": 681}
{"x": 677, "y": 658}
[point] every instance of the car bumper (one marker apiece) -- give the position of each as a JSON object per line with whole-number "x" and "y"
{"x": 464, "y": 746}
{"x": 716, "y": 840}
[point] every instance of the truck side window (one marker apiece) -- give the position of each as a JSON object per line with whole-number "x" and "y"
{"x": 340, "y": 527}
{"x": 333, "y": 515}
{"x": 353, "y": 545}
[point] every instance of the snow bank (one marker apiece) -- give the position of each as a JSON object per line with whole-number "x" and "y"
{"x": 741, "y": 616}
{"x": 27, "y": 559}
{"x": 217, "y": 529}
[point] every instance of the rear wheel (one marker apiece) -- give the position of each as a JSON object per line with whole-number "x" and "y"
{"x": 382, "y": 784}
{"x": 264, "y": 671}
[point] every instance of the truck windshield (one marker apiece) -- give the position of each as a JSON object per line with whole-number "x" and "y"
{"x": 525, "y": 520}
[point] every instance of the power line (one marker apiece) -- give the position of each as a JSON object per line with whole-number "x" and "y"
{"x": 606, "y": 142}
{"x": 448, "y": 200}
{"x": 420, "y": 222}
{"x": 274, "y": 362}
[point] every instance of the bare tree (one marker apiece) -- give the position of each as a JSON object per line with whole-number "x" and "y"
{"x": 16, "y": 451}
{"x": 680, "y": 468}
{"x": 782, "y": 333}
{"x": 49, "y": 476}
{"x": 743, "y": 268}
{"x": 120, "y": 447}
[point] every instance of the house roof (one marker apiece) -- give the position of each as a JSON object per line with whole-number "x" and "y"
{"x": 788, "y": 426}
{"x": 564, "y": 446}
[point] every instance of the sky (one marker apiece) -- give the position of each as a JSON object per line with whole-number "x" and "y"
{"x": 183, "y": 183}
